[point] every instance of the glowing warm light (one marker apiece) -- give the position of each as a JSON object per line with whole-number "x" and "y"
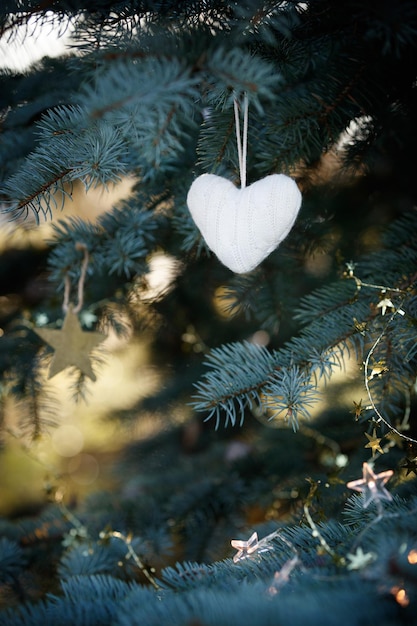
{"x": 83, "y": 469}
{"x": 224, "y": 302}
{"x": 401, "y": 596}
{"x": 43, "y": 39}
{"x": 163, "y": 270}
{"x": 68, "y": 440}
{"x": 412, "y": 557}
{"x": 261, "y": 338}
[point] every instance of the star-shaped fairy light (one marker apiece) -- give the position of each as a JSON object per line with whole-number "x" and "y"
{"x": 360, "y": 559}
{"x": 374, "y": 443}
{"x": 385, "y": 304}
{"x": 71, "y": 344}
{"x": 251, "y": 547}
{"x": 283, "y": 576}
{"x": 372, "y": 486}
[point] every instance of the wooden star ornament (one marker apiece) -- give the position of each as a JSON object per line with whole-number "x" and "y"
{"x": 71, "y": 344}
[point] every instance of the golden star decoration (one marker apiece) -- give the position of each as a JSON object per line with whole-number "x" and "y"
{"x": 71, "y": 344}
{"x": 358, "y": 409}
{"x": 378, "y": 369}
{"x": 361, "y": 327}
{"x": 396, "y": 439}
{"x": 374, "y": 443}
{"x": 410, "y": 465}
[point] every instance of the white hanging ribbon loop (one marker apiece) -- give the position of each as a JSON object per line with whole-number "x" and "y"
{"x": 242, "y": 141}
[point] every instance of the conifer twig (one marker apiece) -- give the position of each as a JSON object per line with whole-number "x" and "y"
{"x": 128, "y": 543}
{"x": 315, "y": 531}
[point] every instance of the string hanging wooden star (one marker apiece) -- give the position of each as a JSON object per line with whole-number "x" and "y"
{"x": 71, "y": 344}
{"x": 372, "y": 486}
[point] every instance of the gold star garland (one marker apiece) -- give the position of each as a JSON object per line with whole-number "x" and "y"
{"x": 375, "y": 369}
{"x": 71, "y": 344}
{"x": 374, "y": 443}
{"x": 410, "y": 465}
{"x": 358, "y": 409}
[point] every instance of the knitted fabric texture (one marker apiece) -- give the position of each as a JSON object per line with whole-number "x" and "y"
{"x": 243, "y": 226}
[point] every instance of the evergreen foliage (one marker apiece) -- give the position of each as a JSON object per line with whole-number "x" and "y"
{"x": 145, "y": 93}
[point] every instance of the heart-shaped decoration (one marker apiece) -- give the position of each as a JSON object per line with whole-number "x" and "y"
{"x": 243, "y": 226}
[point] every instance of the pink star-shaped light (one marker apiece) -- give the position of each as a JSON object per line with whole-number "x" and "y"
{"x": 283, "y": 576}
{"x": 245, "y": 549}
{"x": 372, "y": 485}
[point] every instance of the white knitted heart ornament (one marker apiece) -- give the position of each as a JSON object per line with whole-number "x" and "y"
{"x": 243, "y": 226}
